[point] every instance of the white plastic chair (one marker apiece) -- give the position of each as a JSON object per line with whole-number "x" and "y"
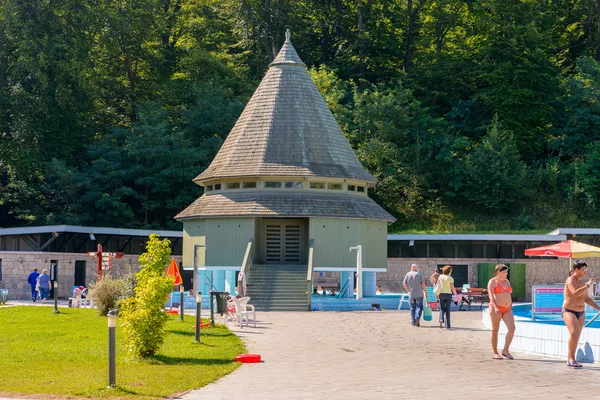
{"x": 242, "y": 312}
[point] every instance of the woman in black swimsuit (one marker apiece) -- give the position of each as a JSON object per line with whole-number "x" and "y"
{"x": 573, "y": 310}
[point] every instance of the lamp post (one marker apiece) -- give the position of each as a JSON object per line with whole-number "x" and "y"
{"x": 181, "y": 305}
{"x": 197, "y": 291}
{"x": 112, "y": 359}
{"x": 56, "y": 298}
{"x": 198, "y": 317}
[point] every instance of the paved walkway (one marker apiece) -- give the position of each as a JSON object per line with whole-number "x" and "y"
{"x": 360, "y": 355}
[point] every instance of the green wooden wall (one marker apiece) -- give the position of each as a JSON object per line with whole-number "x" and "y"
{"x": 333, "y": 238}
{"x": 518, "y": 280}
{"x": 485, "y": 272}
{"x": 225, "y": 239}
{"x": 516, "y": 276}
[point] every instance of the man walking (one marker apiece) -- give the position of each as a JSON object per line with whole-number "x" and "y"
{"x": 414, "y": 283}
{"x": 32, "y": 280}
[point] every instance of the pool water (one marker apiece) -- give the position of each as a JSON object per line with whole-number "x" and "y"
{"x": 524, "y": 311}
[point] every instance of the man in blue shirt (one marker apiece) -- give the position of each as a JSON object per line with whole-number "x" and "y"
{"x": 32, "y": 280}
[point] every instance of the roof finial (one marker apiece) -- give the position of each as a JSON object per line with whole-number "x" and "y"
{"x": 288, "y": 35}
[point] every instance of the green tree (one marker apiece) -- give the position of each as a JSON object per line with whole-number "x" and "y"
{"x": 142, "y": 315}
{"x": 495, "y": 176}
{"x": 581, "y": 125}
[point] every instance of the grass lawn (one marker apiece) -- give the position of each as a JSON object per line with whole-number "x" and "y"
{"x": 45, "y": 355}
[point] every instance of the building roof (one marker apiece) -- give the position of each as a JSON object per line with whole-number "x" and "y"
{"x": 286, "y": 129}
{"x": 478, "y": 237}
{"x": 303, "y": 204}
{"x": 575, "y": 231}
{"x": 31, "y": 230}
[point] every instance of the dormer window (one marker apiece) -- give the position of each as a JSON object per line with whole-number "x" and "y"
{"x": 273, "y": 185}
{"x": 233, "y": 185}
{"x": 360, "y": 189}
{"x": 217, "y": 186}
{"x": 351, "y": 188}
{"x": 249, "y": 185}
{"x": 209, "y": 188}
{"x": 317, "y": 185}
{"x": 334, "y": 186}
{"x": 293, "y": 185}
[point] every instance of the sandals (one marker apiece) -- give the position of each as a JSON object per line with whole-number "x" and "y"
{"x": 497, "y": 357}
{"x": 508, "y": 356}
{"x": 574, "y": 364}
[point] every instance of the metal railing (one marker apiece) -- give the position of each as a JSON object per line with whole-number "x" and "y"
{"x": 245, "y": 270}
{"x": 309, "y": 273}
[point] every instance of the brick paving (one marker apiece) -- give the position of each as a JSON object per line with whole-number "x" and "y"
{"x": 359, "y": 355}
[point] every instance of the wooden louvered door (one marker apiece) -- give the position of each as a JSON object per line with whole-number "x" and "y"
{"x": 284, "y": 241}
{"x": 273, "y": 241}
{"x": 291, "y": 243}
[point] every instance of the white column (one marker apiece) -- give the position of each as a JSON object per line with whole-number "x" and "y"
{"x": 369, "y": 282}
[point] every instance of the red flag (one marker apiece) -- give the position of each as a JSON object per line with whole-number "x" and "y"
{"x": 174, "y": 271}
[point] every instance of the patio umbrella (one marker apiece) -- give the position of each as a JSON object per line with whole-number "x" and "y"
{"x": 567, "y": 249}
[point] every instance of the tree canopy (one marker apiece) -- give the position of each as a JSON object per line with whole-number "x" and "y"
{"x": 471, "y": 114}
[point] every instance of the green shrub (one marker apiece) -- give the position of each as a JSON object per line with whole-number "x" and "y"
{"x": 107, "y": 293}
{"x": 142, "y": 316}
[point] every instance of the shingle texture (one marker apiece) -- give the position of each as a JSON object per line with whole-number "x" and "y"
{"x": 286, "y": 129}
{"x": 304, "y": 204}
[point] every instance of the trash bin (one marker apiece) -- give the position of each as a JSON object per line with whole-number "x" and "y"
{"x": 4, "y": 296}
{"x": 221, "y": 301}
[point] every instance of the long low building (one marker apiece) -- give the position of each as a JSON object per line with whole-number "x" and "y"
{"x": 472, "y": 256}
{"x": 63, "y": 249}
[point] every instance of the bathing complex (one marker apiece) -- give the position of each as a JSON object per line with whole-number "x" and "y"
{"x": 285, "y": 197}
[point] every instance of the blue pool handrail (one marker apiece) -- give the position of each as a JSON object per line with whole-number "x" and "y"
{"x": 592, "y": 320}
{"x": 344, "y": 289}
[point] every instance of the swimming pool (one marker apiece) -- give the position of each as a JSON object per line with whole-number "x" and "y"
{"x": 547, "y": 335}
{"x": 524, "y": 311}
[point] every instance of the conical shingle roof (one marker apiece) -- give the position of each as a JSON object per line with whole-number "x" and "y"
{"x": 286, "y": 129}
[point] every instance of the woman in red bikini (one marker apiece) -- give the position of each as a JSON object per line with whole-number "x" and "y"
{"x": 573, "y": 311}
{"x": 499, "y": 290}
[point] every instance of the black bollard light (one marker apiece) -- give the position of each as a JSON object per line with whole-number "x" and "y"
{"x": 112, "y": 359}
{"x": 56, "y": 298}
{"x": 181, "y": 304}
{"x": 198, "y": 316}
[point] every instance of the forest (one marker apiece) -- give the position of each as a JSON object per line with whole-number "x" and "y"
{"x": 473, "y": 115}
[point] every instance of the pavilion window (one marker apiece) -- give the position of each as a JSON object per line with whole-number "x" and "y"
{"x": 249, "y": 185}
{"x": 293, "y": 185}
{"x": 218, "y": 186}
{"x": 334, "y": 186}
{"x": 351, "y": 188}
{"x": 0, "y": 270}
{"x": 360, "y": 189}
{"x": 317, "y": 185}
{"x": 233, "y": 185}
{"x": 209, "y": 188}
{"x": 273, "y": 185}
